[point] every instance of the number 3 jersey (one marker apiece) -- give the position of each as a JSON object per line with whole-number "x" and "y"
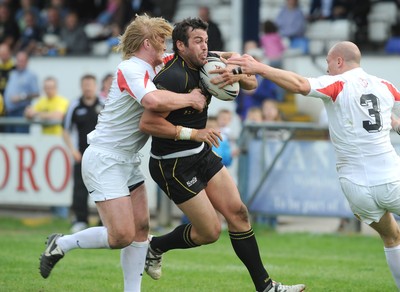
{"x": 359, "y": 108}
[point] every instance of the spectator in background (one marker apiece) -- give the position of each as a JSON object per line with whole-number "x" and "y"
{"x": 272, "y": 44}
{"x": 116, "y": 12}
{"x": 320, "y": 10}
{"x": 254, "y": 114}
{"x": 359, "y": 15}
{"x": 224, "y": 149}
{"x": 74, "y": 37}
{"x": 341, "y": 9}
{"x": 21, "y": 88}
{"x": 7, "y": 64}
{"x": 31, "y": 35}
{"x": 86, "y": 10}
{"x": 224, "y": 120}
{"x": 79, "y": 121}
{"x": 291, "y": 21}
{"x": 113, "y": 38}
{"x": 51, "y": 32}
{"x": 51, "y": 107}
{"x": 140, "y": 7}
{"x": 9, "y": 30}
{"x": 270, "y": 111}
{"x": 61, "y": 8}
{"x": 215, "y": 40}
{"x": 106, "y": 83}
{"x": 166, "y": 9}
{"x": 27, "y": 6}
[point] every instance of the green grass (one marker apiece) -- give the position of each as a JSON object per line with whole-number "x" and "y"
{"x": 325, "y": 262}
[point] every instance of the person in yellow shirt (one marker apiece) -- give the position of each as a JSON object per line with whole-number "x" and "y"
{"x": 49, "y": 108}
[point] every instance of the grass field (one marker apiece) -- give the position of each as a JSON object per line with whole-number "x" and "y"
{"x": 325, "y": 262}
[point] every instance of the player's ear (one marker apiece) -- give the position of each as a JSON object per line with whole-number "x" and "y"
{"x": 180, "y": 45}
{"x": 146, "y": 43}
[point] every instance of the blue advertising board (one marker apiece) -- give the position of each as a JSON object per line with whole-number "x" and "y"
{"x": 303, "y": 181}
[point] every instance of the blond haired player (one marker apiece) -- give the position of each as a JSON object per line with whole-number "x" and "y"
{"x": 110, "y": 165}
{"x": 359, "y": 108}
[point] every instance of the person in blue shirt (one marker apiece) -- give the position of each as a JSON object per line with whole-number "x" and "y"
{"x": 224, "y": 150}
{"x": 22, "y": 87}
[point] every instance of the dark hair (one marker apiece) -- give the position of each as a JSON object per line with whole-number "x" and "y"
{"x": 180, "y": 32}
{"x": 88, "y": 76}
{"x": 270, "y": 26}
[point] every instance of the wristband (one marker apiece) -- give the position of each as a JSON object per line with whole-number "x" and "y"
{"x": 185, "y": 133}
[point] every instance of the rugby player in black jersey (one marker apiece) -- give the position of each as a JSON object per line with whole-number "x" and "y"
{"x": 189, "y": 172}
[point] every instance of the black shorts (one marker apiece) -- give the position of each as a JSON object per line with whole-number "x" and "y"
{"x": 183, "y": 178}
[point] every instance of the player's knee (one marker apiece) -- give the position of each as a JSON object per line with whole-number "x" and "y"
{"x": 210, "y": 235}
{"x": 396, "y": 237}
{"x": 216, "y": 232}
{"x": 121, "y": 238}
{"x": 142, "y": 231}
{"x": 243, "y": 213}
{"x": 238, "y": 215}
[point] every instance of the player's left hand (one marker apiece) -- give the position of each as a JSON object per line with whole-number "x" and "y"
{"x": 225, "y": 76}
{"x": 245, "y": 64}
{"x": 208, "y": 135}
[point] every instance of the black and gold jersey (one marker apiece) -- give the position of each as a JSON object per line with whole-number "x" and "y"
{"x": 178, "y": 77}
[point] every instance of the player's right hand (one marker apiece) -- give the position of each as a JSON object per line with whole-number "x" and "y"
{"x": 199, "y": 101}
{"x": 210, "y": 136}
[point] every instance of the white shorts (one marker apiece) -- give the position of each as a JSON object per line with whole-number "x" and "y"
{"x": 371, "y": 203}
{"x": 108, "y": 174}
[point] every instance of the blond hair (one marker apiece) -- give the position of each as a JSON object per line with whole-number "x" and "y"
{"x": 141, "y": 28}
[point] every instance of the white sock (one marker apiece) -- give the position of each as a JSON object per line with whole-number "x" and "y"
{"x": 94, "y": 237}
{"x": 393, "y": 260}
{"x": 133, "y": 258}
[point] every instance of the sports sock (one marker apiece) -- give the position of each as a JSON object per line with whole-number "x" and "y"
{"x": 179, "y": 238}
{"x": 94, "y": 237}
{"x": 393, "y": 260}
{"x": 246, "y": 248}
{"x": 133, "y": 258}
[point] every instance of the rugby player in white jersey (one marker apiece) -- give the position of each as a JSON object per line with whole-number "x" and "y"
{"x": 359, "y": 108}
{"x": 111, "y": 164}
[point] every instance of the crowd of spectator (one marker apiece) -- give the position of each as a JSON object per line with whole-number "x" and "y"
{"x": 59, "y": 27}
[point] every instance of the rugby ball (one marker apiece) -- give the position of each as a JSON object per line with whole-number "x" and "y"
{"x": 229, "y": 92}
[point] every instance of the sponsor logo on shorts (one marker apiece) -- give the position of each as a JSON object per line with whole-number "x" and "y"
{"x": 191, "y": 182}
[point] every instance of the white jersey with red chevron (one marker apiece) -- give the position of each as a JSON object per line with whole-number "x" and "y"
{"x": 359, "y": 108}
{"x": 118, "y": 123}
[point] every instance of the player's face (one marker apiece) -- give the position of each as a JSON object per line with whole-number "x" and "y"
{"x": 195, "y": 54}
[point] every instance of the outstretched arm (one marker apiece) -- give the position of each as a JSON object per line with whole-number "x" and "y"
{"x": 286, "y": 79}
